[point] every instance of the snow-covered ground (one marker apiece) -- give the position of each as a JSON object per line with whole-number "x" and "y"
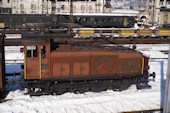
{"x": 104, "y": 102}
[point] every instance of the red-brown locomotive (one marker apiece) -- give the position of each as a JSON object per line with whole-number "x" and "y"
{"x": 55, "y": 68}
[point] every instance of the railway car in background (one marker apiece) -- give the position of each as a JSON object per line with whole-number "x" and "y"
{"x": 42, "y": 21}
{"x": 25, "y": 21}
{"x": 102, "y": 20}
{"x": 2, "y": 65}
{"x": 55, "y": 68}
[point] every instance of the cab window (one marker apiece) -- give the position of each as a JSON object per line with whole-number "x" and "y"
{"x": 43, "y": 51}
{"x": 32, "y": 51}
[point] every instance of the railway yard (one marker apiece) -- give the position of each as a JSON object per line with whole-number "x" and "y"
{"x": 23, "y": 48}
{"x": 84, "y": 56}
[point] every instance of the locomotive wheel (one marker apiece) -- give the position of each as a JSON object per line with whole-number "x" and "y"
{"x": 61, "y": 91}
{"x": 125, "y": 85}
{"x": 83, "y": 89}
{"x": 72, "y": 89}
{"x": 97, "y": 86}
{"x": 116, "y": 84}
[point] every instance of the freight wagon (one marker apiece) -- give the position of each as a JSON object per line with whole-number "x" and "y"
{"x": 54, "y": 68}
{"x": 120, "y": 33}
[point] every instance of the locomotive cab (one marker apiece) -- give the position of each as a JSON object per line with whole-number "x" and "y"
{"x": 36, "y": 56}
{"x": 37, "y": 60}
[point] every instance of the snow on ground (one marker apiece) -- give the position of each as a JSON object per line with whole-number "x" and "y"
{"x": 104, "y": 102}
{"x": 13, "y": 53}
{"x": 13, "y": 36}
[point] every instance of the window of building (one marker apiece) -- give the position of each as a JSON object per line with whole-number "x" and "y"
{"x": 21, "y": 6}
{"x": 62, "y": 7}
{"x": 33, "y": 12}
{"x": 33, "y": 6}
{"x": 8, "y": 1}
{"x": 31, "y": 51}
{"x": 53, "y": 8}
{"x": 44, "y": 6}
{"x": 14, "y": 7}
{"x": 90, "y": 8}
{"x": 43, "y": 51}
{"x": 58, "y": 10}
{"x": 82, "y": 7}
{"x": 74, "y": 8}
{"x": 22, "y": 12}
{"x": 165, "y": 17}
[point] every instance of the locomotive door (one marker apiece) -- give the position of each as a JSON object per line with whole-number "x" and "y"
{"x": 31, "y": 67}
{"x": 44, "y": 61}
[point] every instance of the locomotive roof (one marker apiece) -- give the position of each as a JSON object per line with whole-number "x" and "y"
{"x": 93, "y": 48}
{"x": 121, "y": 51}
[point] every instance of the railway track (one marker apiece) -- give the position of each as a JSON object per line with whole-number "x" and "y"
{"x": 146, "y": 111}
{"x": 18, "y": 42}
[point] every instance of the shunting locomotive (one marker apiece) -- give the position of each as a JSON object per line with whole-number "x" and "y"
{"x": 56, "y": 67}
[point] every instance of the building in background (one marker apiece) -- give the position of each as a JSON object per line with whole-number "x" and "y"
{"x": 55, "y": 6}
{"x": 165, "y": 15}
{"x": 153, "y": 10}
{"x": 5, "y": 7}
{"x": 63, "y": 6}
{"x": 82, "y": 6}
{"x": 31, "y": 6}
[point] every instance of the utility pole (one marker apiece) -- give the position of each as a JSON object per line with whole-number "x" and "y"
{"x": 166, "y": 108}
{"x": 153, "y": 16}
{"x": 139, "y": 8}
{"x": 38, "y": 6}
{"x": 71, "y": 16}
{"x": 47, "y": 6}
{"x": 17, "y": 6}
{"x": 71, "y": 11}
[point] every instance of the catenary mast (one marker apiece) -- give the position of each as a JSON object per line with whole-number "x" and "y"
{"x": 166, "y": 108}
